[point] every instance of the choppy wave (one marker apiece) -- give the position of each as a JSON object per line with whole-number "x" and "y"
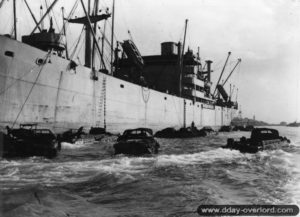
{"x": 56, "y": 173}
{"x": 79, "y": 144}
{"x": 41, "y": 201}
{"x": 184, "y": 174}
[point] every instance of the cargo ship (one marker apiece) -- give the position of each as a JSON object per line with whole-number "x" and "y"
{"x": 41, "y": 83}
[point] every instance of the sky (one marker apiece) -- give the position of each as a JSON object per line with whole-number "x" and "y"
{"x": 265, "y": 34}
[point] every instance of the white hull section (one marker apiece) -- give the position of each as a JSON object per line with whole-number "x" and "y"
{"x": 58, "y": 98}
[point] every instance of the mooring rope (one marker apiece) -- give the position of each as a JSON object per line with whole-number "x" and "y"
{"x": 16, "y": 79}
{"x": 31, "y": 89}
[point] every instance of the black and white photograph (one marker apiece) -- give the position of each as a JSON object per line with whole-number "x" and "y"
{"x": 149, "y": 108}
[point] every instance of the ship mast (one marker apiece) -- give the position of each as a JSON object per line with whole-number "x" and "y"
{"x": 64, "y": 29}
{"x": 15, "y": 19}
{"x": 181, "y": 59}
{"x": 48, "y": 10}
{"x": 96, "y": 3}
{"x": 88, "y": 39}
{"x": 112, "y": 38}
{"x": 41, "y": 15}
{"x": 87, "y": 21}
{"x": 102, "y": 39}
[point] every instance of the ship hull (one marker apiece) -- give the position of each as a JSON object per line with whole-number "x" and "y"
{"x": 39, "y": 87}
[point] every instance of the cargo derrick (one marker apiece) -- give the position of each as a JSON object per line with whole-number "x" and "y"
{"x": 133, "y": 63}
{"x": 225, "y": 101}
{"x": 173, "y": 72}
{"x": 162, "y": 72}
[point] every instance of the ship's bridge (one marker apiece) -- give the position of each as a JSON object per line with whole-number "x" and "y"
{"x": 193, "y": 87}
{"x": 192, "y": 80}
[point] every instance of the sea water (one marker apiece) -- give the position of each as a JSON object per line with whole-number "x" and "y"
{"x": 86, "y": 179}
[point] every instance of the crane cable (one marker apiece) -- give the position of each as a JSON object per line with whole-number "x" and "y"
{"x": 77, "y": 43}
{"x": 17, "y": 80}
{"x": 69, "y": 16}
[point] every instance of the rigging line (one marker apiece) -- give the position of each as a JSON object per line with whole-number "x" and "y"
{"x": 27, "y": 23}
{"x": 55, "y": 20}
{"x": 92, "y": 31}
{"x": 66, "y": 23}
{"x": 107, "y": 49}
{"x": 18, "y": 79}
{"x": 49, "y": 16}
{"x": 115, "y": 36}
{"x": 102, "y": 32}
{"x": 32, "y": 15}
{"x": 95, "y": 6}
{"x": 31, "y": 89}
{"x": 106, "y": 58}
{"x": 105, "y": 38}
{"x": 77, "y": 43}
{"x": 79, "y": 50}
{"x": 43, "y": 17}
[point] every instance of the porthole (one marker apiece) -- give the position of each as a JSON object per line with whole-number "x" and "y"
{"x": 9, "y": 53}
{"x": 40, "y": 61}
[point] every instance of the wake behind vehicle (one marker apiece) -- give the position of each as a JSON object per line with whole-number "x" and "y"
{"x": 261, "y": 139}
{"x": 28, "y": 141}
{"x": 136, "y": 142}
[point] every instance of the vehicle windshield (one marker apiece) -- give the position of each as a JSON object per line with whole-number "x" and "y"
{"x": 264, "y": 134}
{"x": 137, "y": 132}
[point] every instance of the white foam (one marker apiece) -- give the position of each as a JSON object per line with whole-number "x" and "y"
{"x": 125, "y": 168}
{"x": 199, "y": 158}
{"x": 77, "y": 144}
